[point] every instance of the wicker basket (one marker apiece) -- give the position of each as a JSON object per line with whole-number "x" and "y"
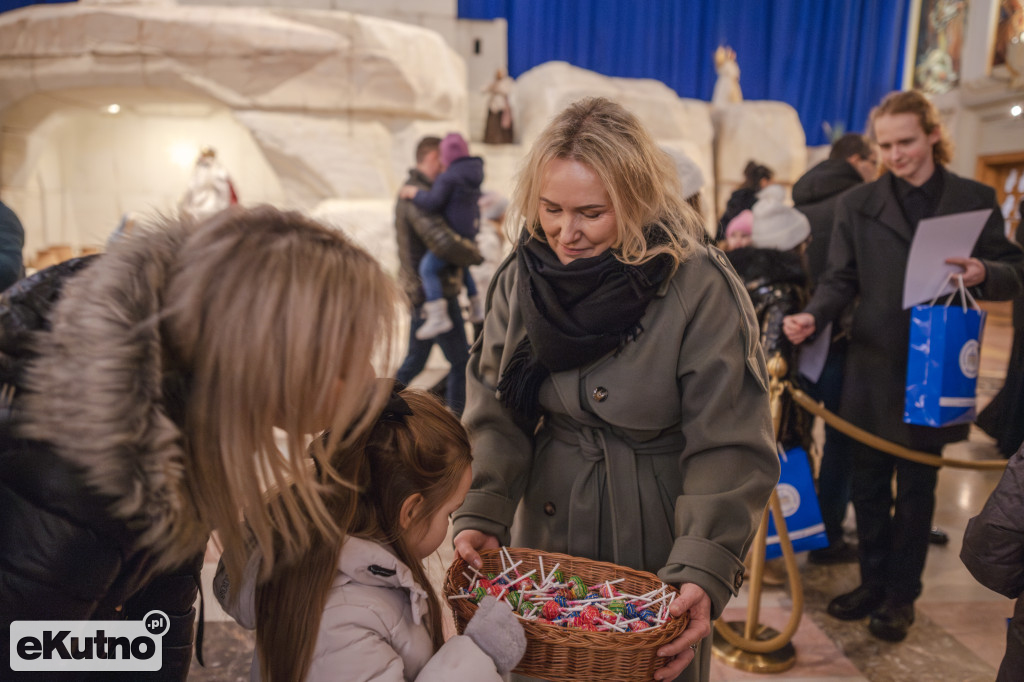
{"x": 568, "y": 654}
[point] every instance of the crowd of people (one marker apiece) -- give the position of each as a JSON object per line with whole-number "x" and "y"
{"x": 221, "y": 374}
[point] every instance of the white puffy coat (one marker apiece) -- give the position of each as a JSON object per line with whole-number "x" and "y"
{"x": 372, "y": 626}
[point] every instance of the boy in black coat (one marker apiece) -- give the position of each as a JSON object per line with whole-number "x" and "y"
{"x": 875, "y": 225}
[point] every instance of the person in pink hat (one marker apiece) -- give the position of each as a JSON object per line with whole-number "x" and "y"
{"x": 454, "y": 195}
{"x": 737, "y": 234}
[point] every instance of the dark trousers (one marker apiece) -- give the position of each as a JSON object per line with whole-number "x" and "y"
{"x": 431, "y": 268}
{"x": 893, "y": 532}
{"x": 455, "y": 348}
{"x": 836, "y": 456}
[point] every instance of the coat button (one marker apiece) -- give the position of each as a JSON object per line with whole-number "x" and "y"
{"x": 738, "y": 581}
{"x": 549, "y": 509}
{"x": 600, "y": 393}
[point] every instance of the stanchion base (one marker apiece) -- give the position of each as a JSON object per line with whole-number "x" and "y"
{"x": 772, "y": 662}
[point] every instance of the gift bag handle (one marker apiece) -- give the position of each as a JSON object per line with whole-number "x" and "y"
{"x": 965, "y": 295}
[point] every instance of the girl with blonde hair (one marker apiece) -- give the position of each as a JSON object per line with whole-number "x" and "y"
{"x": 147, "y": 384}
{"x": 361, "y": 605}
{"x": 617, "y": 398}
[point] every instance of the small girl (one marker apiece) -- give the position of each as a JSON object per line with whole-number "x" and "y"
{"x": 455, "y": 195}
{"x": 361, "y": 607}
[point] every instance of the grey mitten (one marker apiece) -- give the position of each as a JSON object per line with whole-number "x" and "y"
{"x": 497, "y": 631}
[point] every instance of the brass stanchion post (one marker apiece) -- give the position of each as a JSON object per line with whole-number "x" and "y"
{"x": 750, "y": 645}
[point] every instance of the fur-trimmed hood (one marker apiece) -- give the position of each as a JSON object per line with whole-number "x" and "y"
{"x": 758, "y": 267}
{"x": 96, "y": 392}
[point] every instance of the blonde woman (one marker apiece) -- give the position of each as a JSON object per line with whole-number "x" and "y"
{"x": 617, "y": 400}
{"x": 146, "y": 386}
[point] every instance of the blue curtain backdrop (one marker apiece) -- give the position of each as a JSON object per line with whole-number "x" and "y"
{"x": 832, "y": 60}
{"x": 6, "y": 5}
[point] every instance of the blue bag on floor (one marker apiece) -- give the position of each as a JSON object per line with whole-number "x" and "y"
{"x": 942, "y": 362}
{"x": 799, "y": 503}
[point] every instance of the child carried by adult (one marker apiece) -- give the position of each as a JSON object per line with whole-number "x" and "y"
{"x": 455, "y": 194}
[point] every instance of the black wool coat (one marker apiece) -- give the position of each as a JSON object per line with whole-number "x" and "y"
{"x": 868, "y": 257}
{"x": 815, "y": 195}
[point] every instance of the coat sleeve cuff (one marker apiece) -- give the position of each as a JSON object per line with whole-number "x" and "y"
{"x": 486, "y": 512}
{"x": 713, "y": 568}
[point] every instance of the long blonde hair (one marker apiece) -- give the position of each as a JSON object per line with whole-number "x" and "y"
{"x": 425, "y": 452}
{"x": 641, "y": 180}
{"x": 266, "y": 311}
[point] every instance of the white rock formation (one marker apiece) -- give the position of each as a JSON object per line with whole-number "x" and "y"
{"x": 766, "y": 131}
{"x": 683, "y": 124}
{"x": 334, "y": 101}
{"x": 370, "y": 223}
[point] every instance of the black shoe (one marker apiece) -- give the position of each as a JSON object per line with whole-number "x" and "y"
{"x": 857, "y": 604}
{"x": 891, "y": 622}
{"x": 841, "y": 552}
{"x": 937, "y": 536}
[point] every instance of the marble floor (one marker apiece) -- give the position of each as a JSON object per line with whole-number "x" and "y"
{"x": 960, "y": 626}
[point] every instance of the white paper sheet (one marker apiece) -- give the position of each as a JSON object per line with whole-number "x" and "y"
{"x": 936, "y": 239}
{"x": 814, "y": 354}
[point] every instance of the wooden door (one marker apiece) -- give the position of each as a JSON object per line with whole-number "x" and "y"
{"x": 1005, "y": 174}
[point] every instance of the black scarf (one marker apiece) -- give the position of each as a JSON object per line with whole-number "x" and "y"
{"x": 574, "y": 314}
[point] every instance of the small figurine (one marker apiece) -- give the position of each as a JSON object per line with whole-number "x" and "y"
{"x": 210, "y": 189}
{"x": 727, "y": 87}
{"x": 498, "y": 129}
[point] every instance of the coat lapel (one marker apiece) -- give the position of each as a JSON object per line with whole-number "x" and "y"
{"x": 883, "y": 206}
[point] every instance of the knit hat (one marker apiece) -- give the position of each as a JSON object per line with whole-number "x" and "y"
{"x": 777, "y": 226}
{"x": 492, "y": 205}
{"x": 743, "y": 223}
{"x": 691, "y": 178}
{"x": 453, "y": 147}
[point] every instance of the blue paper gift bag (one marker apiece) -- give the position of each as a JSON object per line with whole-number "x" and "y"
{"x": 799, "y": 503}
{"x": 942, "y": 364}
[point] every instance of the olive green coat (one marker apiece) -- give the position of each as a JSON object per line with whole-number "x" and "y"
{"x": 660, "y": 457}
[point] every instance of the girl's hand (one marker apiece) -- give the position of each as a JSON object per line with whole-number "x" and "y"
{"x": 469, "y": 542}
{"x": 407, "y": 192}
{"x": 694, "y": 601}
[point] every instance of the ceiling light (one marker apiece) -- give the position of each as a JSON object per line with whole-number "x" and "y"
{"x": 183, "y": 154}
{"x": 113, "y": 108}
{"x": 1015, "y": 110}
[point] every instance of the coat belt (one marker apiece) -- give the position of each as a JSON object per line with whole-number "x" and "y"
{"x": 609, "y": 458}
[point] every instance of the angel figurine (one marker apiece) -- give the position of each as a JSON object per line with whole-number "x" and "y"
{"x": 727, "y": 87}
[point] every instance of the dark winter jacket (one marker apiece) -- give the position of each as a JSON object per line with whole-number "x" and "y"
{"x": 815, "y": 195}
{"x": 93, "y": 523}
{"x": 12, "y": 241}
{"x": 418, "y": 231}
{"x": 777, "y": 286}
{"x": 455, "y": 194}
{"x": 868, "y": 258}
{"x": 993, "y": 551}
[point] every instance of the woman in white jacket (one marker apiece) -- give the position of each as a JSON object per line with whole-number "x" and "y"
{"x": 361, "y": 607}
